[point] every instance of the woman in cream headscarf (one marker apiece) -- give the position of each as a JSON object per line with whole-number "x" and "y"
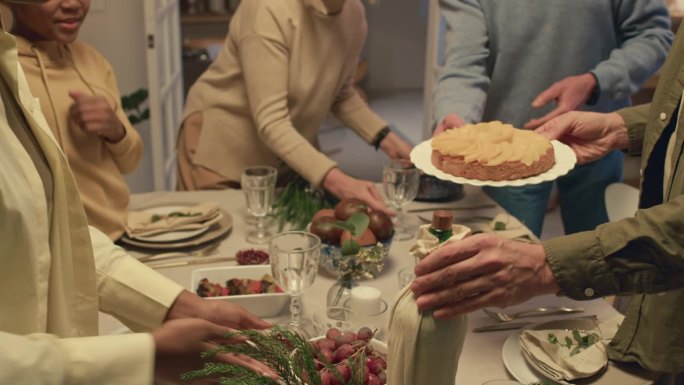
{"x": 285, "y": 64}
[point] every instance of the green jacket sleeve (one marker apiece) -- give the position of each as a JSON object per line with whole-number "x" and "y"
{"x": 636, "y": 119}
{"x": 643, "y": 254}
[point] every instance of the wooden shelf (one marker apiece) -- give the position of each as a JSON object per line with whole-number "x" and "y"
{"x": 205, "y": 18}
{"x": 203, "y": 43}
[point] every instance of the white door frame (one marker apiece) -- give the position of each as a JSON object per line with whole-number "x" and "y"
{"x": 165, "y": 80}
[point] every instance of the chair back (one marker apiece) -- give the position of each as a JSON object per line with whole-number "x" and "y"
{"x": 622, "y": 201}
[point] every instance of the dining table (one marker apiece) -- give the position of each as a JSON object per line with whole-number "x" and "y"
{"x": 481, "y": 358}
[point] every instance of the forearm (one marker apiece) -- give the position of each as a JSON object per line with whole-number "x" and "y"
{"x": 355, "y": 113}
{"x": 616, "y": 132}
{"x": 636, "y": 120}
{"x": 462, "y": 82}
{"x": 125, "y": 286}
{"x": 644, "y": 31}
{"x": 127, "y": 151}
{"x": 104, "y": 360}
{"x": 642, "y": 254}
{"x": 186, "y": 305}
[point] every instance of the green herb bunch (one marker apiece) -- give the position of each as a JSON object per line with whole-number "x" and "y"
{"x": 297, "y": 203}
{"x": 293, "y": 359}
{"x": 356, "y": 224}
{"x": 577, "y": 343}
{"x": 354, "y": 260}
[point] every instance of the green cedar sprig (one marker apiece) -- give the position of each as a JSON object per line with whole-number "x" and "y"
{"x": 297, "y": 203}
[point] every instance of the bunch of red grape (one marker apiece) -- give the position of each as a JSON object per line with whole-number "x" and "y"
{"x": 343, "y": 351}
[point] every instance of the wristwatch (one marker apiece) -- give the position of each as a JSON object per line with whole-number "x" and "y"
{"x": 380, "y": 136}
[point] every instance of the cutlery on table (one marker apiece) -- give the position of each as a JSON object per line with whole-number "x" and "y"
{"x": 475, "y": 218}
{"x": 518, "y": 325}
{"x": 536, "y": 312}
{"x": 454, "y": 208}
{"x": 501, "y": 326}
{"x": 191, "y": 262}
{"x": 203, "y": 252}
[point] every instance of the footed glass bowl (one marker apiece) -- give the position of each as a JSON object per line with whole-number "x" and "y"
{"x": 367, "y": 264}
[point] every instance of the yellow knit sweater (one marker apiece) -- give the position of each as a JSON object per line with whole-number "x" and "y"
{"x": 284, "y": 65}
{"x": 54, "y": 69}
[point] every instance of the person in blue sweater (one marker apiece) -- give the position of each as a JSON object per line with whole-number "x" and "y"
{"x": 526, "y": 61}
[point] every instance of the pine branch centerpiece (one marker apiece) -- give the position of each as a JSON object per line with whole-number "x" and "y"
{"x": 297, "y": 203}
{"x": 336, "y": 359}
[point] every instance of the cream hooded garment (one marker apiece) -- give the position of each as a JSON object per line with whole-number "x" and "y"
{"x": 423, "y": 350}
{"x": 55, "y": 271}
{"x": 52, "y": 70}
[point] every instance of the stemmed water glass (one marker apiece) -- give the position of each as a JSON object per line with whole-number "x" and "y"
{"x": 258, "y": 184}
{"x": 294, "y": 263}
{"x": 400, "y": 179}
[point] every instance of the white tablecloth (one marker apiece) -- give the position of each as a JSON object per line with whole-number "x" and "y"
{"x": 481, "y": 358}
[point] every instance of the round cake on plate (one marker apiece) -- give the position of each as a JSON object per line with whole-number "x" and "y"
{"x": 492, "y": 151}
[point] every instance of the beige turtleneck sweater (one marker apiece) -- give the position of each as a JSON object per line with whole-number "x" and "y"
{"x": 285, "y": 64}
{"x": 54, "y": 69}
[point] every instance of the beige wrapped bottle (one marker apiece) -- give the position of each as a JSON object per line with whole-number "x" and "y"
{"x": 421, "y": 349}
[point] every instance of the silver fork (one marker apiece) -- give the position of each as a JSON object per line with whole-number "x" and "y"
{"x": 205, "y": 251}
{"x": 540, "y": 311}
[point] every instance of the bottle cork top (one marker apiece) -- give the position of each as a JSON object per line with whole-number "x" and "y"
{"x": 441, "y": 219}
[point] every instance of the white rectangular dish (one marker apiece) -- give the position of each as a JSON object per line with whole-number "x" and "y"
{"x": 261, "y": 305}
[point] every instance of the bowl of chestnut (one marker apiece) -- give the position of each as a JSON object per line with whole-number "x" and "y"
{"x": 375, "y": 241}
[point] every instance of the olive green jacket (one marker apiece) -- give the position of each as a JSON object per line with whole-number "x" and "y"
{"x": 644, "y": 254}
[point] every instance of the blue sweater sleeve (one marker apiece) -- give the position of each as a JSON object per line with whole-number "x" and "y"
{"x": 462, "y": 82}
{"x": 643, "y": 28}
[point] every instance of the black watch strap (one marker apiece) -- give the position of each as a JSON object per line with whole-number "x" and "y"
{"x": 380, "y": 137}
{"x": 596, "y": 93}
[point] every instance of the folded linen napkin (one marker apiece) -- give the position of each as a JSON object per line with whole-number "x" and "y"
{"x": 507, "y": 226}
{"x": 426, "y": 242}
{"x": 555, "y": 353}
{"x": 149, "y": 222}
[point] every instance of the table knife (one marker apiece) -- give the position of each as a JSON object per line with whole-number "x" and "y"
{"x": 475, "y": 207}
{"x": 197, "y": 261}
{"x": 501, "y": 326}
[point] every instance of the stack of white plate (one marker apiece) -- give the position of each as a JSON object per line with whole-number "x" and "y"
{"x": 178, "y": 239}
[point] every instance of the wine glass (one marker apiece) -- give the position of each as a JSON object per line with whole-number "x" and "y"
{"x": 400, "y": 179}
{"x": 294, "y": 263}
{"x": 258, "y": 184}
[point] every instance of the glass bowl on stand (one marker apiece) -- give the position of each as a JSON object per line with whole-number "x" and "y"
{"x": 368, "y": 263}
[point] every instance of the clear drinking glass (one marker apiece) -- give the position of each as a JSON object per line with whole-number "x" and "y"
{"x": 338, "y": 317}
{"x": 400, "y": 179}
{"x": 294, "y": 263}
{"x": 258, "y": 184}
{"x": 405, "y": 276}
